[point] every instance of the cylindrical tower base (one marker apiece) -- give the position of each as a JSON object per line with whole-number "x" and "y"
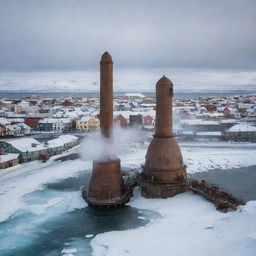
{"x": 150, "y": 189}
{"x": 106, "y": 187}
{"x": 164, "y": 174}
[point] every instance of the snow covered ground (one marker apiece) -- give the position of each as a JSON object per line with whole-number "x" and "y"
{"x": 204, "y": 156}
{"x": 129, "y": 80}
{"x": 189, "y": 225}
{"x": 17, "y": 181}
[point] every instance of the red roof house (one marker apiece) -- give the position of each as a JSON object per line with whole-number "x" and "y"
{"x": 67, "y": 103}
{"x": 121, "y": 120}
{"x": 148, "y": 120}
{"x": 33, "y": 122}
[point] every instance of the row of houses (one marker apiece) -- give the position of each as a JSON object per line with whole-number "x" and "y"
{"x": 130, "y": 119}
{"x": 13, "y": 127}
{"x": 30, "y": 149}
{"x": 90, "y": 122}
{"x": 55, "y": 124}
{"x": 23, "y": 127}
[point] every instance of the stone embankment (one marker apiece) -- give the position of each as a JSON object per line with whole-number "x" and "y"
{"x": 223, "y": 200}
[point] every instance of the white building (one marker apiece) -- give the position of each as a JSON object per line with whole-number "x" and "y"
{"x": 55, "y": 124}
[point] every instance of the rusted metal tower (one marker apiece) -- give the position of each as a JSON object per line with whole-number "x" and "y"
{"x": 106, "y": 187}
{"x": 164, "y": 174}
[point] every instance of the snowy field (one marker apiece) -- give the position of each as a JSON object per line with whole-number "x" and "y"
{"x": 185, "y": 80}
{"x": 17, "y": 181}
{"x": 204, "y": 156}
{"x": 189, "y": 225}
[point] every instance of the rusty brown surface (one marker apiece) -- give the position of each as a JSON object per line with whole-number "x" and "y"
{"x": 164, "y": 174}
{"x": 222, "y": 199}
{"x": 164, "y": 154}
{"x": 164, "y": 93}
{"x": 161, "y": 191}
{"x": 106, "y": 95}
{"x": 106, "y": 181}
{"x": 106, "y": 186}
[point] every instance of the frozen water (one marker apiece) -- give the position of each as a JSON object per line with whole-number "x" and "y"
{"x": 239, "y": 181}
{"x": 57, "y": 220}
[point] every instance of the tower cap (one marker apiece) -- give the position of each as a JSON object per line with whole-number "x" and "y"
{"x": 106, "y": 57}
{"x": 164, "y": 81}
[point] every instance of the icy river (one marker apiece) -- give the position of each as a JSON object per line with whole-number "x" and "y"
{"x": 42, "y": 212}
{"x": 50, "y": 227}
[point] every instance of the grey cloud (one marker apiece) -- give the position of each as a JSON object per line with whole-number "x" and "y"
{"x": 72, "y": 34}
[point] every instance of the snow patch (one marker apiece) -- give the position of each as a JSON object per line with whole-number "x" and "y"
{"x": 68, "y": 251}
{"x": 13, "y": 189}
{"x": 201, "y": 157}
{"x": 39, "y": 208}
{"x": 208, "y": 158}
{"x": 183, "y": 230}
{"x": 89, "y": 236}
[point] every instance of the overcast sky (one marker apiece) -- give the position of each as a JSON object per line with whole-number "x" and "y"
{"x": 72, "y": 34}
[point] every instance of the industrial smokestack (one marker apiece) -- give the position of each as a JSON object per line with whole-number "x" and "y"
{"x": 106, "y": 95}
{"x": 164, "y": 174}
{"x": 164, "y": 93}
{"x": 106, "y": 187}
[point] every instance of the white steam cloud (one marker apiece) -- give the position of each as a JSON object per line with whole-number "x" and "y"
{"x": 96, "y": 147}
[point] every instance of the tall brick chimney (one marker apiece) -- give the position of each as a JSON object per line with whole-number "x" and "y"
{"x": 106, "y": 187}
{"x": 164, "y": 174}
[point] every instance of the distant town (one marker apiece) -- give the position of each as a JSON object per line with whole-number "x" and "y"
{"x": 36, "y": 128}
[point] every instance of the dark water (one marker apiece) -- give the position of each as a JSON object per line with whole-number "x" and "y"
{"x": 239, "y": 181}
{"x": 48, "y": 232}
{"x": 71, "y": 183}
{"x": 177, "y": 95}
